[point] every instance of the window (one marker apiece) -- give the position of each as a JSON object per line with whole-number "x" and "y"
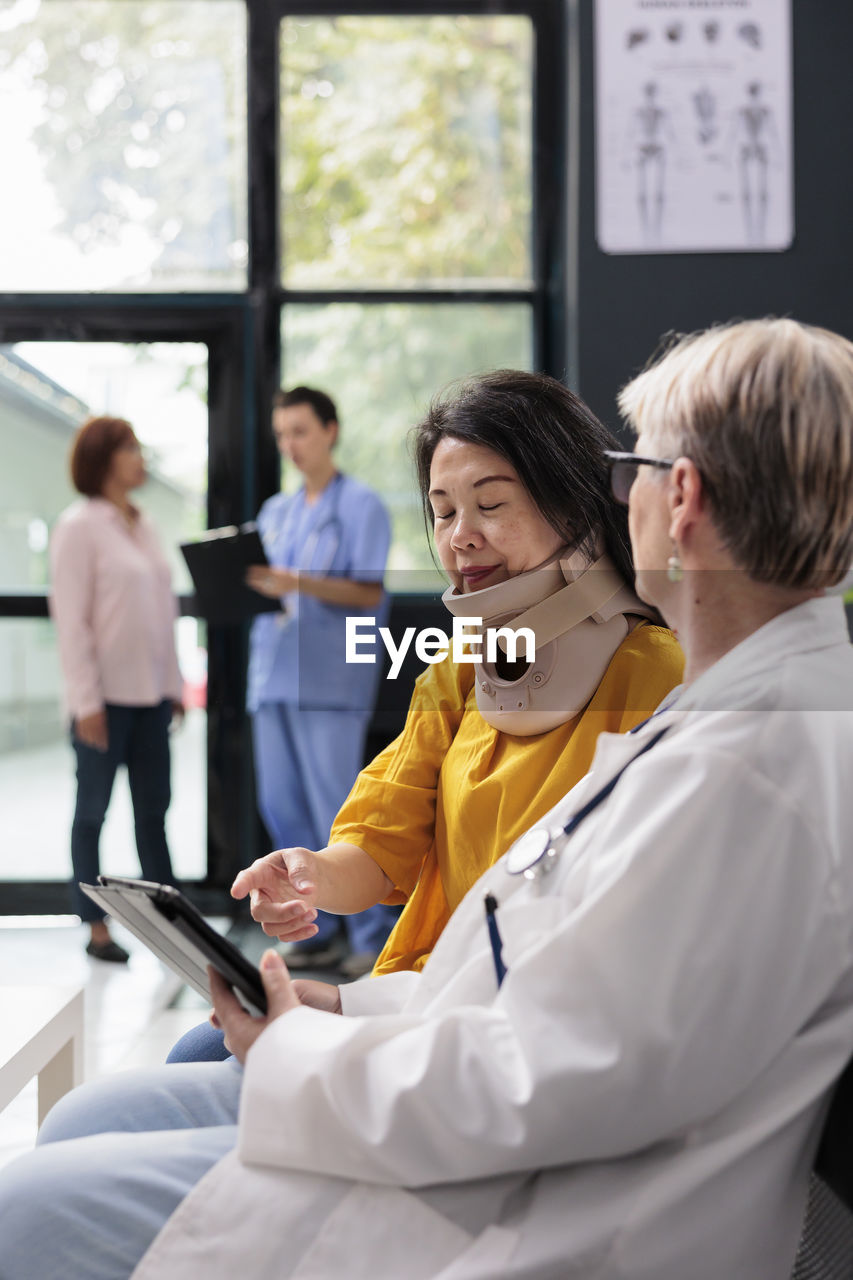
{"x": 124, "y": 123}
{"x": 406, "y": 225}
{"x": 384, "y": 361}
{"x": 212, "y": 198}
{"x": 46, "y": 391}
{"x": 406, "y": 151}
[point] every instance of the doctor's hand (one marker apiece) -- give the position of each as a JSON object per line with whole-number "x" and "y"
{"x": 271, "y": 582}
{"x": 283, "y": 995}
{"x": 282, "y": 888}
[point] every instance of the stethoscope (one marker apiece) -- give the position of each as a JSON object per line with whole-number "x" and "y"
{"x": 330, "y": 529}
{"x": 536, "y": 853}
{"x": 329, "y": 532}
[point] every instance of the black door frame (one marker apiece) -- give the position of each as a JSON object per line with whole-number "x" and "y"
{"x": 225, "y": 327}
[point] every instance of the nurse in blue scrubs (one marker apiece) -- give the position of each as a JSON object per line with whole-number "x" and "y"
{"x": 327, "y": 546}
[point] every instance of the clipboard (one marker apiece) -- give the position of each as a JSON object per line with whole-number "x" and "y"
{"x": 170, "y": 926}
{"x": 217, "y": 562}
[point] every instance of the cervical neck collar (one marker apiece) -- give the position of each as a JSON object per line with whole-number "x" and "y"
{"x": 575, "y": 606}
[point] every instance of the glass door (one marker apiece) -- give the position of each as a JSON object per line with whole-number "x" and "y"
{"x": 46, "y": 390}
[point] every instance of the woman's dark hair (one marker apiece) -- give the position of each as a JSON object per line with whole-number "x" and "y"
{"x": 555, "y": 443}
{"x": 92, "y": 450}
{"x": 323, "y": 405}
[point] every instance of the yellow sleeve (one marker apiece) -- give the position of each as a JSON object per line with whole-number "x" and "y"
{"x": 390, "y": 812}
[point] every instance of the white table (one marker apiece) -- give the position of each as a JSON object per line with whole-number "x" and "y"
{"x": 41, "y": 1034}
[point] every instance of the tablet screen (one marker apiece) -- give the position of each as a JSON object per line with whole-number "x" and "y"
{"x": 170, "y": 926}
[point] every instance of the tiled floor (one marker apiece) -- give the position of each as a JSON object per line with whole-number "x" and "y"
{"x": 134, "y": 1013}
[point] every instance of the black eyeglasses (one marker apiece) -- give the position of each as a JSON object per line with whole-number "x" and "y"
{"x": 623, "y": 471}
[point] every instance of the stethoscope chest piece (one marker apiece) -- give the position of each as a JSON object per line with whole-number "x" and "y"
{"x": 535, "y": 853}
{"x": 532, "y": 855}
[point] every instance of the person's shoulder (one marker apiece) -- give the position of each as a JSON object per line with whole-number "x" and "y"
{"x": 76, "y": 534}
{"x": 80, "y": 509}
{"x": 277, "y": 500}
{"x": 352, "y": 485}
{"x": 651, "y": 640}
{"x": 651, "y": 649}
{"x": 81, "y": 515}
{"x": 357, "y": 492}
{"x": 274, "y": 505}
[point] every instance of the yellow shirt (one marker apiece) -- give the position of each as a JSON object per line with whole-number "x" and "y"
{"x": 447, "y": 798}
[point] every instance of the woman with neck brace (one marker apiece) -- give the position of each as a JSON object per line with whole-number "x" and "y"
{"x": 516, "y": 493}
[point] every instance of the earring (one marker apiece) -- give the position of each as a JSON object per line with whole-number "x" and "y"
{"x": 674, "y": 567}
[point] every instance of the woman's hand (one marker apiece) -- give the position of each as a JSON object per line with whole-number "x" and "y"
{"x": 179, "y": 711}
{"x": 271, "y": 582}
{"x": 282, "y": 888}
{"x": 324, "y": 996}
{"x": 288, "y": 886}
{"x": 283, "y": 995}
{"x": 92, "y": 730}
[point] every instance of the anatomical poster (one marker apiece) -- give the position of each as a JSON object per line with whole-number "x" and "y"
{"x": 693, "y": 126}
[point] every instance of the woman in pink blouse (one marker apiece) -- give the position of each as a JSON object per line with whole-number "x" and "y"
{"x": 114, "y": 611}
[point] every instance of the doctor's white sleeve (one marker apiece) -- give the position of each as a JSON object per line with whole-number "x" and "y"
{"x": 387, "y": 993}
{"x": 707, "y": 931}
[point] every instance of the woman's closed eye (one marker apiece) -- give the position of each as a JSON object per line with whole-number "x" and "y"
{"x": 447, "y": 515}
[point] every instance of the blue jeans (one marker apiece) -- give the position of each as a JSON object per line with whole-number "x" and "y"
{"x": 114, "y": 1160}
{"x": 203, "y": 1043}
{"x": 139, "y": 739}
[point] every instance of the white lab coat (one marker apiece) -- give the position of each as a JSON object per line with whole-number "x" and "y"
{"x": 643, "y": 1096}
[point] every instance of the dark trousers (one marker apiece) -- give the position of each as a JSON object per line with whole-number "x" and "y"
{"x": 139, "y": 739}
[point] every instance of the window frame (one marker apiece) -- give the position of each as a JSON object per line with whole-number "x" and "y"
{"x": 242, "y": 331}
{"x": 223, "y": 324}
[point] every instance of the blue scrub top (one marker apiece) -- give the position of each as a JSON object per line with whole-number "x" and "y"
{"x": 299, "y": 658}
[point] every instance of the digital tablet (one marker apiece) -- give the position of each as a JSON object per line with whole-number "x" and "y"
{"x": 170, "y": 926}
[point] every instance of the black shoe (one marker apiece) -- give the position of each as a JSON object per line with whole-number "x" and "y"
{"x": 327, "y": 956}
{"x": 109, "y": 951}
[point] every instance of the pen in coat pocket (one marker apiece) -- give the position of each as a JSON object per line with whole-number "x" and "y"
{"x": 491, "y": 905}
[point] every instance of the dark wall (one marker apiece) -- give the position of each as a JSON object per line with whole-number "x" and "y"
{"x": 623, "y": 304}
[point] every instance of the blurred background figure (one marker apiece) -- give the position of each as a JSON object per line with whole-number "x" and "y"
{"x": 327, "y": 546}
{"x": 112, "y": 602}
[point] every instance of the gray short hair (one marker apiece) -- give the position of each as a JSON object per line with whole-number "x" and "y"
{"x": 764, "y": 408}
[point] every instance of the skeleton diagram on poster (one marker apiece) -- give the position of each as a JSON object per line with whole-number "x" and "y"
{"x": 693, "y": 126}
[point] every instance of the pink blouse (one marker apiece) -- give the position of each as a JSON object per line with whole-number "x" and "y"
{"x": 114, "y": 609}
